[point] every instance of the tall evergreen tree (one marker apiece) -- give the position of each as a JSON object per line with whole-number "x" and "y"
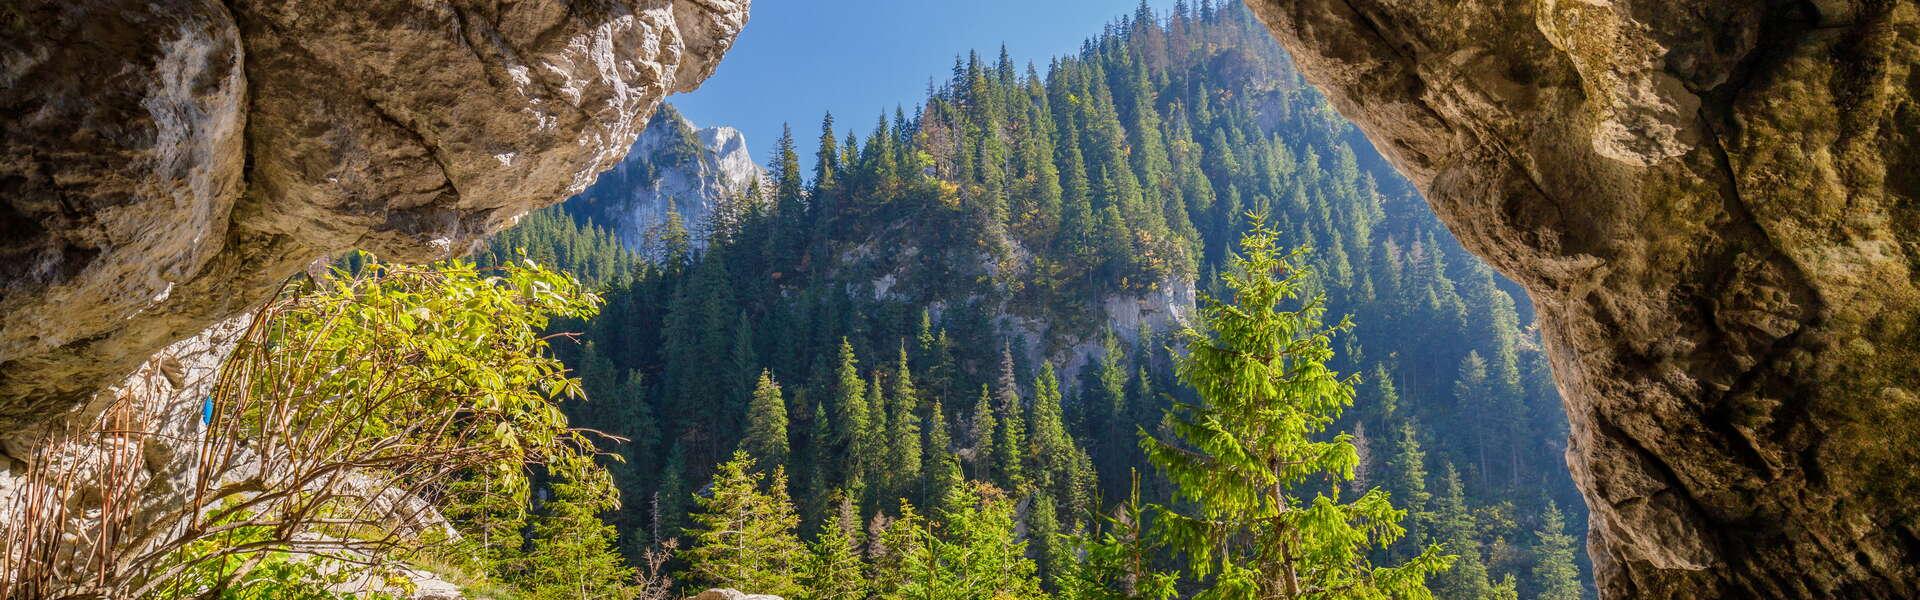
{"x": 851, "y": 418}
{"x": 1555, "y": 576}
{"x": 980, "y": 429}
{"x": 904, "y": 462}
{"x": 973, "y": 554}
{"x": 1060, "y": 467}
{"x": 1114, "y": 560}
{"x": 1454, "y": 526}
{"x": 1265, "y": 394}
{"x": 573, "y": 555}
{"x": 744, "y": 533}
{"x": 943, "y": 466}
{"x": 766, "y": 440}
{"x": 1010, "y": 438}
{"x": 1407, "y": 478}
{"x": 835, "y": 569}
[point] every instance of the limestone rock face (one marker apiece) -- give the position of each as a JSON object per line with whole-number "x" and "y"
{"x": 131, "y": 451}
{"x": 674, "y": 164}
{"x": 165, "y": 163}
{"x": 1713, "y": 205}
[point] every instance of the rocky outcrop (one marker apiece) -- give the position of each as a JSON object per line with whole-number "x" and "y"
{"x": 674, "y": 164}
{"x": 119, "y": 466}
{"x": 1713, "y": 205}
{"x": 166, "y": 163}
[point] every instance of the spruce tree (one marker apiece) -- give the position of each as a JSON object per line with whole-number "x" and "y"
{"x": 1105, "y": 394}
{"x": 1009, "y": 439}
{"x": 874, "y": 453}
{"x": 490, "y": 511}
{"x": 1265, "y": 396}
{"x": 903, "y": 430}
{"x": 766, "y": 440}
{"x": 744, "y": 533}
{"x": 1470, "y": 392}
{"x": 1455, "y": 528}
{"x": 835, "y": 569}
{"x": 574, "y": 556}
{"x": 1407, "y": 478}
{"x": 1059, "y": 465}
{"x": 981, "y": 426}
{"x": 669, "y": 505}
{"x": 1114, "y": 559}
{"x": 1043, "y": 535}
{"x": 1555, "y": 576}
{"x": 971, "y": 553}
{"x": 850, "y": 418}
{"x": 943, "y": 467}
{"x": 816, "y": 487}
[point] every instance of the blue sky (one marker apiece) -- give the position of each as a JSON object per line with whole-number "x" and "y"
{"x": 799, "y": 58}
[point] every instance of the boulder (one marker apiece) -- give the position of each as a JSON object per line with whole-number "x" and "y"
{"x": 167, "y": 163}
{"x": 1715, "y": 207}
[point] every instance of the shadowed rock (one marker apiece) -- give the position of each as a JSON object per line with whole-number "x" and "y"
{"x": 1713, "y": 205}
{"x": 166, "y": 163}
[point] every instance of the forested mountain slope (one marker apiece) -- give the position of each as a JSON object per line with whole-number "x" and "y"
{"x": 987, "y": 280}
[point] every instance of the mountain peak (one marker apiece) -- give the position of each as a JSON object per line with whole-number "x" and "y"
{"x": 673, "y": 163}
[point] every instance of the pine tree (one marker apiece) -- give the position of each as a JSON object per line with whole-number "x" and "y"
{"x": 744, "y": 533}
{"x": 827, "y": 159}
{"x": 766, "y": 440}
{"x": 669, "y": 243}
{"x": 1105, "y": 394}
{"x": 1469, "y": 391}
{"x": 489, "y": 510}
{"x": 1043, "y": 533}
{"x": 891, "y": 541}
{"x": 875, "y": 451}
{"x": 669, "y": 504}
{"x": 814, "y": 503}
{"x": 1265, "y": 395}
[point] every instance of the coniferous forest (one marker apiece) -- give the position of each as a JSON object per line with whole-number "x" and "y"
{"x": 900, "y": 371}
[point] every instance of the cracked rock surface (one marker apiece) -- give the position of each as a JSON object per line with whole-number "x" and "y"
{"x": 1714, "y": 207}
{"x": 166, "y": 163}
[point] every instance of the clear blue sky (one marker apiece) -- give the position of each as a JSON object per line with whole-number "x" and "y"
{"x": 799, "y": 58}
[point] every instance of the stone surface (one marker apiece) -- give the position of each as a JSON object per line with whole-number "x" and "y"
{"x": 166, "y": 163}
{"x": 673, "y": 164}
{"x": 132, "y": 449}
{"x": 1713, "y": 205}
